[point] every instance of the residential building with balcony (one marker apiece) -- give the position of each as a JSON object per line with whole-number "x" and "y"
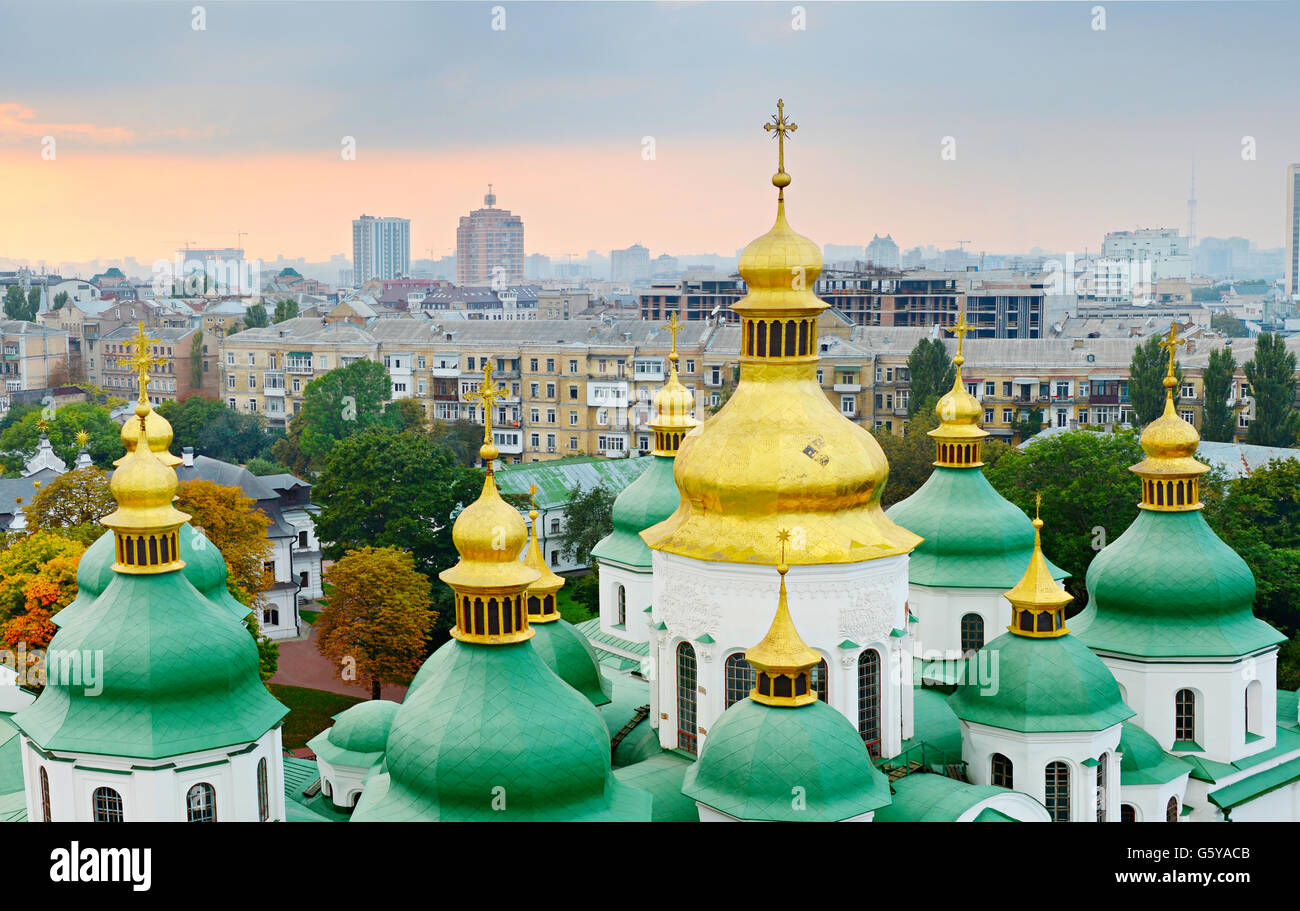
{"x": 29, "y": 353}
{"x": 185, "y": 370}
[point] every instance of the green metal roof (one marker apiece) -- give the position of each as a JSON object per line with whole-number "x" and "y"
{"x": 934, "y": 725}
{"x": 1168, "y": 587}
{"x": 1257, "y": 785}
{"x": 1050, "y": 684}
{"x": 756, "y": 758}
{"x": 1144, "y": 762}
{"x": 567, "y": 652}
{"x": 11, "y": 758}
{"x": 598, "y": 637}
{"x": 661, "y": 776}
{"x": 973, "y": 537}
{"x": 554, "y": 479}
{"x": 178, "y": 676}
{"x": 647, "y": 501}
{"x": 1286, "y": 708}
{"x": 988, "y": 814}
{"x": 926, "y": 797}
{"x": 492, "y": 734}
{"x": 358, "y": 736}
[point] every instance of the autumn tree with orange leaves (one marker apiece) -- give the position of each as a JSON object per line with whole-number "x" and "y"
{"x": 231, "y": 520}
{"x": 72, "y": 505}
{"x": 38, "y": 578}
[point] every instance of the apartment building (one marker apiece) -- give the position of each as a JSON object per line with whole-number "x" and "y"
{"x": 693, "y": 298}
{"x": 184, "y": 371}
{"x": 29, "y": 352}
{"x": 490, "y": 246}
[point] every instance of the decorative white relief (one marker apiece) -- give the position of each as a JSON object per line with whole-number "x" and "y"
{"x": 868, "y": 616}
{"x": 690, "y": 609}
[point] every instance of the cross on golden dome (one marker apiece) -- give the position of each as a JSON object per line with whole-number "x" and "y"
{"x": 141, "y": 360}
{"x": 959, "y": 329}
{"x": 1038, "y": 503}
{"x": 532, "y": 495}
{"x": 1170, "y": 344}
{"x": 674, "y": 326}
{"x": 783, "y": 538}
{"x": 488, "y": 393}
{"x": 779, "y": 127}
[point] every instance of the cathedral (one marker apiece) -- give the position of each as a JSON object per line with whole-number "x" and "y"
{"x": 772, "y": 644}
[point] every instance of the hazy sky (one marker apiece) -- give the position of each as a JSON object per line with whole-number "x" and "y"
{"x": 166, "y": 134}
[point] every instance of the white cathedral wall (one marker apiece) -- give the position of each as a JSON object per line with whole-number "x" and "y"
{"x": 1282, "y": 805}
{"x": 939, "y": 610}
{"x": 638, "y": 588}
{"x": 342, "y": 783}
{"x": 1150, "y": 801}
{"x": 734, "y": 605}
{"x": 157, "y": 794}
{"x": 1220, "y": 688}
{"x": 708, "y": 814}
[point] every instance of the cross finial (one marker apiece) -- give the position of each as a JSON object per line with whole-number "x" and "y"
{"x": 1170, "y": 344}
{"x": 782, "y": 537}
{"x": 780, "y": 127}
{"x": 42, "y": 425}
{"x": 141, "y": 360}
{"x": 1038, "y": 503}
{"x": 959, "y": 329}
{"x": 532, "y": 496}
{"x": 488, "y": 393}
{"x": 674, "y": 326}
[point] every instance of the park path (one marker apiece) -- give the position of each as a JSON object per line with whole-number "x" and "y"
{"x": 302, "y": 664}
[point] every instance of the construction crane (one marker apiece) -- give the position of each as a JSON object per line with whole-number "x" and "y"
{"x": 239, "y": 239}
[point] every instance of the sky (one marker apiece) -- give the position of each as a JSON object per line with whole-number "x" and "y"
{"x": 604, "y": 124}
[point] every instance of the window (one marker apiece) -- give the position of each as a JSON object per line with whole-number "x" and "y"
{"x": 988, "y": 415}
{"x": 45, "y": 796}
{"x": 573, "y": 442}
{"x": 1001, "y": 771}
{"x": 686, "y": 691}
{"x": 1171, "y": 810}
{"x": 622, "y": 606}
{"x": 1006, "y": 415}
{"x": 230, "y": 358}
{"x": 550, "y": 390}
{"x": 470, "y": 362}
{"x": 201, "y": 803}
{"x": 820, "y": 679}
{"x": 555, "y": 558}
{"x": 1188, "y": 391}
{"x": 107, "y": 805}
{"x": 1083, "y": 415}
{"x": 230, "y": 381}
{"x": 819, "y": 378}
{"x": 263, "y": 798}
{"x": 532, "y": 366}
{"x": 1127, "y": 813}
{"x": 573, "y": 419}
{"x": 990, "y": 388}
{"x": 1101, "y": 788}
{"x": 869, "y": 700}
{"x": 271, "y": 616}
{"x": 302, "y": 540}
{"x": 535, "y": 415}
{"x": 573, "y": 393}
{"x": 550, "y": 368}
{"x": 1254, "y": 709}
{"x": 419, "y": 362}
{"x": 532, "y": 388}
{"x": 690, "y": 365}
{"x": 1057, "y": 790}
{"x": 1188, "y": 416}
{"x": 232, "y": 403}
{"x": 252, "y": 404}
{"x": 573, "y": 366}
{"x": 972, "y": 633}
{"x": 846, "y": 404}
{"x": 550, "y": 415}
{"x": 739, "y": 677}
{"x": 252, "y": 359}
{"x": 1185, "y": 716}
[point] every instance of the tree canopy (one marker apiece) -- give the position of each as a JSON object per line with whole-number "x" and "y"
{"x": 1146, "y": 374}
{"x": 589, "y": 516}
{"x": 930, "y": 372}
{"x": 217, "y": 431}
{"x": 38, "y": 578}
{"x": 286, "y": 308}
{"x": 72, "y": 505}
{"x": 16, "y": 305}
{"x": 255, "y": 317}
{"x": 911, "y": 456}
{"x": 1219, "y": 422}
{"x": 1271, "y": 374}
{"x": 231, "y": 520}
{"x": 21, "y": 438}
{"x": 346, "y": 401}
{"x": 1228, "y": 324}
{"x": 462, "y": 437}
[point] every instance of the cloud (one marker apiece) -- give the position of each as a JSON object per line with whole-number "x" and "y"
{"x": 19, "y": 122}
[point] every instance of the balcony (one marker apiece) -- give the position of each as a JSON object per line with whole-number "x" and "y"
{"x": 300, "y": 369}
{"x": 847, "y": 387}
{"x": 1109, "y": 399}
{"x": 446, "y": 372}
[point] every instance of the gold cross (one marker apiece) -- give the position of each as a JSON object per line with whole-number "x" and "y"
{"x": 674, "y": 326}
{"x": 780, "y": 127}
{"x": 532, "y": 495}
{"x": 487, "y": 393}
{"x": 959, "y": 329}
{"x": 1171, "y": 344}
{"x": 141, "y": 359}
{"x": 1038, "y": 503}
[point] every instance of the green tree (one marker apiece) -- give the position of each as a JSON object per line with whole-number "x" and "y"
{"x": 1271, "y": 374}
{"x": 20, "y": 440}
{"x": 588, "y": 517}
{"x": 406, "y": 415}
{"x": 72, "y": 505}
{"x": 1228, "y": 324}
{"x": 1029, "y": 425}
{"x": 34, "y": 301}
{"x": 196, "y": 360}
{"x": 1219, "y": 422}
{"x": 1146, "y": 374}
{"x": 287, "y": 451}
{"x": 285, "y": 309}
{"x": 261, "y": 467}
{"x": 462, "y": 437}
{"x": 16, "y": 304}
{"x": 60, "y": 299}
{"x": 339, "y": 404}
{"x": 255, "y": 317}
{"x": 1089, "y": 494}
{"x": 930, "y": 372}
{"x": 217, "y": 431}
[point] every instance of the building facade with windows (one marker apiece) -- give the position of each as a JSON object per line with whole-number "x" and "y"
{"x": 381, "y": 248}
{"x": 30, "y": 354}
{"x": 189, "y": 363}
{"x": 490, "y": 246}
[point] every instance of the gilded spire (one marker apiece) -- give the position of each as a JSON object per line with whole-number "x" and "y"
{"x": 958, "y": 435}
{"x": 158, "y": 431}
{"x": 541, "y": 595}
{"x": 142, "y": 360}
{"x": 1170, "y": 472}
{"x": 783, "y": 662}
{"x": 673, "y": 404}
{"x": 487, "y": 394}
{"x": 780, "y": 127}
{"x": 1037, "y": 601}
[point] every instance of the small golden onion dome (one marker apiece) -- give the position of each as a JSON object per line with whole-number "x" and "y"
{"x": 1170, "y": 444}
{"x": 158, "y": 434}
{"x": 547, "y": 581}
{"x": 1037, "y": 600}
{"x": 489, "y": 534}
{"x": 143, "y": 487}
{"x": 783, "y": 262}
{"x": 672, "y": 405}
{"x": 959, "y": 433}
{"x": 783, "y": 662}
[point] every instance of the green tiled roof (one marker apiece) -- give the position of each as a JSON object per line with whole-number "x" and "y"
{"x": 628, "y": 694}
{"x": 935, "y": 726}
{"x": 554, "y": 479}
{"x": 358, "y": 736}
{"x": 567, "y": 652}
{"x": 647, "y": 501}
{"x": 973, "y": 537}
{"x": 988, "y": 814}
{"x": 1256, "y": 785}
{"x": 757, "y": 755}
{"x": 1144, "y": 762}
{"x": 178, "y": 676}
{"x": 661, "y": 776}
{"x": 1050, "y": 684}
{"x": 300, "y": 774}
{"x": 1168, "y": 587}
{"x": 926, "y": 797}
{"x": 493, "y": 724}
{"x": 598, "y": 637}
{"x": 11, "y": 758}
{"x": 1286, "y": 708}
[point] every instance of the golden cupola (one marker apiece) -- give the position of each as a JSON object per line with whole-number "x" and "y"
{"x": 540, "y": 595}
{"x": 958, "y": 436}
{"x": 782, "y": 661}
{"x": 673, "y": 405}
{"x": 779, "y": 447}
{"x": 145, "y": 524}
{"x": 1037, "y": 600}
{"x": 157, "y": 429}
{"x": 1170, "y": 473}
{"x": 489, "y": 580}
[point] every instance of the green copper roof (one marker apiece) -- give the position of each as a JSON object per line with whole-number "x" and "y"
{"x": 935, "y": 726}
{"x": 568, "y": 653}
{"x": 988, "y": 814}
{"x": 177, "y": 675}
{"x": 555, "y": 478}
{"x": 1168, "y": 587}
{"x": 757, "y": 755}
{"x": 358, "y": 735}
{"x": 647, "y": 501}
{"x": 492, "y": 734}
{"x": 1053, "y": 684}
{"x": 661, "y": 776}
{"x": 973, "y": 537}
{"x": 926, "y": 797}
{"x": 1144, "y": 762}
{"x": 1256, "y": 785}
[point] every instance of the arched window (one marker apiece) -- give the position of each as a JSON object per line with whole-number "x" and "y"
{"x": 107, "y": 805}
{"x": 201, "y": 803}
{"x": 1254, "y": 708}
{"x": 1000, "y": 771}
{"x": 972, "y": 633}
{"x": 1185, "y": 716}
{"x": 686, "y": 692}
{"x": 263, "y": 797}
{"x": 622, "y": 606}
{"x": 869, "y": 700}
{"x": 1127, "y": 813}
{"x": 1101, "y": 788}
{"x": 1057, "y": 791}
{"x": 739, "y": 675}
{"x": 1171, "y": 810}
{"x": 45, "y": 796}
{"x": 821, "y": 682}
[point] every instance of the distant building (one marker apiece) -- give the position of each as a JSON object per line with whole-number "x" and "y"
{"x": 29, "y": 353}
{"x": 842, "y": 253}
{"x": 664, "y": 266}
{"x": 630, "y": 265}
{"x": 182, "y": 373}
{"x": 490, "y": 246}
{"x": 1131, "y": 263}
{"x": 381, "y": 247}
{"x": 537, "y": 267}
{"x": 883, "y": 252}
{"x": 1292, "y": 249}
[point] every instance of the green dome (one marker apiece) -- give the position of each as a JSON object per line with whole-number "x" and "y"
{"x": 567, "y": 652}
{"x": 364, "y": 727}
{"x": 756, "y": 754}
{"x": 493, "y": 724}
{"x": 1143, "y": 761}
{"x": 95, "y": 570}
{"x": 647, "y": 501}
{"x": 1168, "y": 587}
{"x": 177, "y": 676}
{"x": 1038, "y": 685}
{"x": 974, "y": 538}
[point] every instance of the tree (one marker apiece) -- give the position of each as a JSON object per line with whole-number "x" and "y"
{"x": 1089, "y": 494}
{"x": 287, "y": 451}
{"x": 589, "y": 516}
{"x": 1271, "y": 374}
{"x": 343, "y": 402}
{"x": 1146, "y": 374}
{"x": 38, "y": 571}
{"x": 1228, "y": 324}
{"x": 1219, "y": 422}
{"x": 285, "y": 309}
{"x": 911, "y": 456}
{"x": 261, "y": 467}
{"x": 16, "y": 304}
{"x": 196, "y": 360}
{"x": 377, "y": 614}
{"x": 406, "y": 415}
{"x": 72, "y": 505}
{"x": 930, "y": 372}
{"x": 34, "y": 301}
{"x": 255, "y": 317}
{"x": 60, "y": 299}
{"x": 232, "y": 522}
{"x": 1030, "y": 425}
{"x": 462, "y": 437}
{"x": 21, "y": 439}
{"x": 216, "y": 431}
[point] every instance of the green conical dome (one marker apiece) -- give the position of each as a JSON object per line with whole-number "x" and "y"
{"x": 490, "y": 733}
{"x": 756, "y": 755}
{"x": 1037, "y": 685}
{"x": 1143, "y": 761}
{"x": 177, "y": 676}
{"x": 567, "y": 652}
{"x": 974, "y": 538}
{"x": 647, "y": 501}
{"x": 1168, "y": 587}
{"x": 358, "y": 736}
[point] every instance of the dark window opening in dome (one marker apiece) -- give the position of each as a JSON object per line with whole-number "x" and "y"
{"x": 774, "y": 345}
{"x": 153, "y": 551}
{"x": 1180, "y": 494}
{"x": 821, "y": 681}
{"x": 1001, "y": 771}
{"x": 1171, "y": 810}
{"x": 972, "y": 633}
{"x": 686, "y": 695}
{"x": 1057, "y": 781}
{"x": 1101, "y": 788}
{"x": 166, "y": 551}
{"x": 1027, "y": 621}
{"x": 738, "y": 675}
{"x": 869, "y": 700}
{"x": 477, "y": 625}
{"x": 790, "y": 338}
{"x": 1045, "y": 622}
{"x": 519, "y": 611}
{"x": 622, "y": 606}
{"x": 45, "y": 795}
{"x": 764, "y": 685}
{"x": 762, "y": 340}
{"x": 1127, "y": 813}
{"x": 783, "y": 685}
{"x": 534, "y": 605}
{"x": 803, "y": 337}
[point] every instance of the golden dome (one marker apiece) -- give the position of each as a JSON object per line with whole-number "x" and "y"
{"x": 145, "y": 521}
{"x": 1170, "y": 472}
{"x": 158, "y": 434}
{"x": 782, "y": 660}
{"x": 784, "y": 262}
{"x": 673, "y": 405}
{"x": 1037, "y": 600}
{"x": 547, "y": 581}
{"x": 959, "y": 412}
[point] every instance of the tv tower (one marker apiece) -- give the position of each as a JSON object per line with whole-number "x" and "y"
{"x": 1191, "y": 215}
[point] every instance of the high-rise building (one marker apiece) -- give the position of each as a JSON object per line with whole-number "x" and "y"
{"x": 630, "y": 265}
{"x": 1292, "y": 250}
{"x": 490, "y": 246}
{"x": 381, "y": 248}
{"x": 883, "y": 252}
